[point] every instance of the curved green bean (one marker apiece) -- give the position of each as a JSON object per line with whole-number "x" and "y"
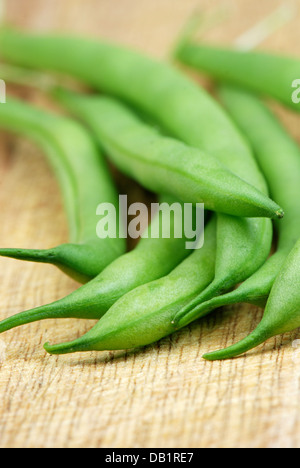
{"x": 85, "y": 182}
{"x": 141, "y": 152}
{"x": 265, "y": 73}
{"x": 143, "y": 316}
{"x": 279, "y": 158}
{"x": 282, "y": 311}
{"x": 151, "y": 259}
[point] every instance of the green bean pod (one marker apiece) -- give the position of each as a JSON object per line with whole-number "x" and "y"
{"x": 142, "y": 153}
{"x": 179, "y": 105}
{"x": 152, "y": 258}
{"x": 264, "y": 73}
{"x": 282, "y": 313}
{"x": 279, "y": 158}
{"x": 85, "y": 183}
{"x": 143, "y": 316}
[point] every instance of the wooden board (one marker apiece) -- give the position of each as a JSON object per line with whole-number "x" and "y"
{"x": 164, "y": 395}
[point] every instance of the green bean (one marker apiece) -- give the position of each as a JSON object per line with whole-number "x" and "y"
{"x": 142, "y": 153}
{"x": 152, "y": 258}
{"x": 143, "y": 316}
{"x": 179, "y": 105}
{"x": 282, "y": 311}
{"x": 85, "y": 182}
{"x": 279, "y": 157}
{"x": 266, "y": 74}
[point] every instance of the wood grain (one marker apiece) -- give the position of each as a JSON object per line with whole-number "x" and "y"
{"x": 164, "y": 395}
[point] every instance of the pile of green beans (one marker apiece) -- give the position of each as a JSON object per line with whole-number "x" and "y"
{"x": 181, "y": 107}
{"x": 237, "y": 253}
{"x": 168, "y": 134}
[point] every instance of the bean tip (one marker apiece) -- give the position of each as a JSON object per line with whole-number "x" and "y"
{"x": 280, "y": 213}
{"x": 51, "y": 349}
{"x": 174, "y": 324}
{"x": 207, "y": 357}
{"x": 46, "y": 345}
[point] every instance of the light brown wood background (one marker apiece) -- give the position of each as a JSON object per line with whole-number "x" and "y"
{"x": 164, "y": 395}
